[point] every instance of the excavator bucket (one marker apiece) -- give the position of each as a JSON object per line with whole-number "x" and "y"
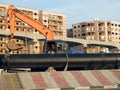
{"x": 13, "y": 46}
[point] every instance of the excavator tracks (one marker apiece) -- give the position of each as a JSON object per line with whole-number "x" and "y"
{"x": 10, "y": 81}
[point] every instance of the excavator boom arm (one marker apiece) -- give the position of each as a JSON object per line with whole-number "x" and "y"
{"x": 13, "y": 13}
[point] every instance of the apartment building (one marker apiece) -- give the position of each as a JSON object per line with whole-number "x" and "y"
{"x": 54, "y": 21}
{"x": 106, "y": 31}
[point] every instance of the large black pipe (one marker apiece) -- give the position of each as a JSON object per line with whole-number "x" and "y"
{"x": 59, "y": 61}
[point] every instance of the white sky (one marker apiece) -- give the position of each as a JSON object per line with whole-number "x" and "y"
{"x": 76, "y": 10}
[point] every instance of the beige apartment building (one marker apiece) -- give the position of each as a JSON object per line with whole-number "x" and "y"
{"x": 52, "y": 20}
{"x": 106, "y": 31}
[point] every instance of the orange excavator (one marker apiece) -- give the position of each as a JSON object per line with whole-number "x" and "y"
{"x": 13, "y": 13}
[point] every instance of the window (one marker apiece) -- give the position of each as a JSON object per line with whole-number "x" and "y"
{"x": 74, "y": 30}
{"x": 35, "y": 13}
{"x": 83, "y": 26}
{"x": 35, "y": 30}
{"x": 23, "y": 29}
{"x": 8, "y": 27}
{"x": 1, "y": 27}
{"x": 36, "y": 47}
{"x": 35, "y": 18}
{"x": 17, "y": 23}
{"x": 17, "y": 29}
{"x": 78, "y": 26}
{"x": 75, "y": 36}
{"x": 23, "y": 23}
{"x": 45, "y": 20}
{"x": 88, "y": 33}
{"x": 83, "y": 34}
{"x": 112, "y": 24}
{"x": 112, "y": 32}
{"x": 1, "y": 51}
{"x": 88, "y": 24}
{"x": 74, "y": 27}
{"x": 17, "y": 40}
{"x": 1, "y": 21}
{"x": 17, "y": 52}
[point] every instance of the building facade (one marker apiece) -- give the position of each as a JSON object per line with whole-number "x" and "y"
{"x": 70, "y": 32}
{"x": 54, "y": 21}
{"x": 106, "y": 31}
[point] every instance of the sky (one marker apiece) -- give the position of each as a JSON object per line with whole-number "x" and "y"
{"x": 76, "y": 11}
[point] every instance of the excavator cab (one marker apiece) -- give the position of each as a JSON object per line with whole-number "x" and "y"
{"x": 56, "y": 47}
{"x": 63, "y": 47}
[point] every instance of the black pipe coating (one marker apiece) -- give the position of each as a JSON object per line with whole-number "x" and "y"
{"x": 59, "y": 61}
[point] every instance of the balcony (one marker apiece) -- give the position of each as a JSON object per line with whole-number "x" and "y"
{"x": 55, "y": 18}
{"x": 101, "y": 28}
{"x": 53, "y": 24}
